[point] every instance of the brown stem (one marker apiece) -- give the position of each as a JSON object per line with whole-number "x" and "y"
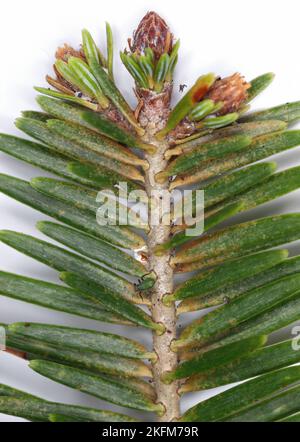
{"x": 17, "y": 353}
{"x": 167, "y": 360}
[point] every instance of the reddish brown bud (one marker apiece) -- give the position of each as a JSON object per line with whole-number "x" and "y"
{"x": 65, "y": 52}
{"x": 62, "y": 85}
{"x": 152, "y": 32}
{"x": 232, "y": 91}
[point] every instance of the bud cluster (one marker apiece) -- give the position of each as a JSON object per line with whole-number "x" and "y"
{"x": 153, "y": 56}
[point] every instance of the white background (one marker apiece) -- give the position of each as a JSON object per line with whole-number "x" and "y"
{"x": 251, "y": 37}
